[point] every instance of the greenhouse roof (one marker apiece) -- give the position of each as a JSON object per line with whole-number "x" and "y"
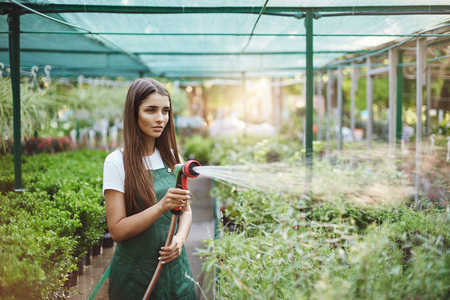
{"x": 195, "y": 38}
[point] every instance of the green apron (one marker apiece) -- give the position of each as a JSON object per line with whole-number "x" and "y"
{"x": 135, "y": 259}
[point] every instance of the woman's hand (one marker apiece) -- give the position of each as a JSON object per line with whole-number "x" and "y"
{"x": 173, "y": 251}
{"x": 175, "y": 198}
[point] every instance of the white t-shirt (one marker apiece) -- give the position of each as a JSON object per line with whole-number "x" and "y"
{"x": 114, "y": 172}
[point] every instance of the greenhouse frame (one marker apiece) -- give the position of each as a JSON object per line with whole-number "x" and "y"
{"x": 202, "y": 40}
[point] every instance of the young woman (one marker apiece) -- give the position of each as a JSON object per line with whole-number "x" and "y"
{"x": 138, "y": 185}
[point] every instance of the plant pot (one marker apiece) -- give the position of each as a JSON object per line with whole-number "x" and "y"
{"x": 67, "y": 284}
{"x": 107, "y": 241}
{"x": 73, "y": 278}
{"x": 80, "y": 265}
{"x": 64, "y": 294}
{"x": 88, "y": 257}
{"x": 97, "y": 249}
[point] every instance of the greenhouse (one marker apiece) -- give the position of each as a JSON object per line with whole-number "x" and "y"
{"x": 318, "y": 133}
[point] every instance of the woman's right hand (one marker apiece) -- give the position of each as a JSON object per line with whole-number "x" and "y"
{"x": 175, "y": 198}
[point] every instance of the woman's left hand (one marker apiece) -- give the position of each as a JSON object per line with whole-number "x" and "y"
{"x": 171, "y": 252}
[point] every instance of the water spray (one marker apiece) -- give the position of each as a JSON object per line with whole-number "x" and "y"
{"x": 262, "y": 177}
{"x": 182, "y": 172}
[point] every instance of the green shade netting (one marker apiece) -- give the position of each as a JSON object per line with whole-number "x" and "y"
{"x": 130, "y": 44}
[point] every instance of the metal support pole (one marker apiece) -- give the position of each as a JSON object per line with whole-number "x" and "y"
{"x": 369, "y": 96}
{"x": 427, "y": 111}
{"x": 340, "y": 79}
{"x": 392, "y": 97}
{"x": 399, "y": 125}
{"x": 14, "y": 58}
{"x": 309, "y": 91}
{"x": 420, "y": 72}
{"x": 319, "y": 107}
{"x": 328, "y": 108}
{"x": 355, "y": 73}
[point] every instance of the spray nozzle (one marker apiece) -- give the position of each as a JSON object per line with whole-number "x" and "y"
{"x": 187, "y": 169}
{"x": 182, "y": 172}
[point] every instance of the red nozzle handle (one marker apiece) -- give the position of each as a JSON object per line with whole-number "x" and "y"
{"x": 187, "y": 170}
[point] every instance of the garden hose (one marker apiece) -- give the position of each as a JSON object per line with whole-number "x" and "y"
{"x": 99, "y": 284}
{"x": 187, "y": 170}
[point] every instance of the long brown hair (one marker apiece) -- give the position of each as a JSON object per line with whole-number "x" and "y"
{"x": 138, "y": 181}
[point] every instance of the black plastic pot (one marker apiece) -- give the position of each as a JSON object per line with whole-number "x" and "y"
{"x": 107, "y": 241}
{"x": 88, "y": 257}
{"x": 64, "y": 294}
{"x": 73, "y": 278}
{"x": 80, "y": 265}
{"x": 97, "y": 249}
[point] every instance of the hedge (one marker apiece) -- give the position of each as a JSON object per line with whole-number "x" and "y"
{"x": 49, "y": 227}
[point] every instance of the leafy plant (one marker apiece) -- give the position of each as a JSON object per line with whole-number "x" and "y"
{"x": 352, "y": 236}
{"x": 319, "y": 260}
{"x": 37, "y": 242}
{"x": 198, "y": 148}
{"x": 38, "y": 108}
{"x": 254, "y": 150}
